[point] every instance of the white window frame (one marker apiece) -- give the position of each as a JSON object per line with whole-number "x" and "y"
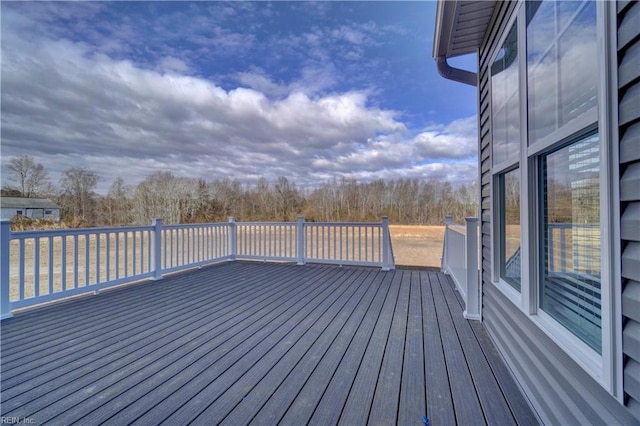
{"x": 504, "y": 167}
{"x": 605, "y": 368}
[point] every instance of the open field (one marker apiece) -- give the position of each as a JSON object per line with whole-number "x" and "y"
{"x": 417, "y": 245}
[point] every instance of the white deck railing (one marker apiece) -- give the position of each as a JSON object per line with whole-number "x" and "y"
{"x": 460, "y": 261}
{"x": 42, "y": 266}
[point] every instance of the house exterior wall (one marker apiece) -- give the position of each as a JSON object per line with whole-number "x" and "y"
{"x": 10, "y": 213}
{"x": 559, "y": 389}
{"x": 628, "y": 30}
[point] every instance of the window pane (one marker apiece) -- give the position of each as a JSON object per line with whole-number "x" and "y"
{"x": 505, "y": 105}
{"x": 570, "y": 203}
{"x": 562, "y": 71}
{"x": 510, "y": 228}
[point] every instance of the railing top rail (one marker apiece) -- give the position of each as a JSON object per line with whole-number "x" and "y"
{"x": 17, "y": 235}
{"x": 351, "y": 224}
{"x": 266, "y": 223}
{"x": 460, "y": 229}
{"x": 196, "y": 225}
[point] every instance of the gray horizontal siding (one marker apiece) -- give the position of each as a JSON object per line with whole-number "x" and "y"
{"x": 557, "y": 387}
{"x": 629, "y": 131}
{"x": 560, "y": 390}
{"x": 631, "y": 300}
{"x": 630, "y": 144}
{"x": 631, "y": 338}
{"x": 630, "y": 222}
{"x": 629, "y": 181}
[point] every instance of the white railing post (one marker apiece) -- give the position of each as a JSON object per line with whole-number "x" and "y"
{"x": 5, "y": 243}
{"x": 474, "y": 299}
{"x": 300, "y": 240}
{"x": 386, "y": 249}
{"x": 444, "y": 262}
{"x": 233, "y": 238}
{"x": 157, "y": 249}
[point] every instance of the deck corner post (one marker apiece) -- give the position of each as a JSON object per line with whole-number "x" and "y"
{"x": 474, "y": 298}
{"x": 233, "y": 238}
{"x": 386, "y": 244}
{"x": 157, "y": 249}
{"x": 444, "y": 262}
{"x": 5, "y": 294}
{"x": 301, "y": 249}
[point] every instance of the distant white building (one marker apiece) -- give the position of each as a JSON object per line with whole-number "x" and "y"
{"x": 34, "y": 208}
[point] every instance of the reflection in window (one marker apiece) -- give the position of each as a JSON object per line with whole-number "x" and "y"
{"x": 561, "y": 64}
{"x": 570, "y": 215}
{"x": 505, "y": 105}
{"x": 509, "y": 189}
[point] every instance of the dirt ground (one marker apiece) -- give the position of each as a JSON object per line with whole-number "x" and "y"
{"x": 415, "y": 245}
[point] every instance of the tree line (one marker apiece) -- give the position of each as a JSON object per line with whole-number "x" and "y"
{"x": 188, "y": 200}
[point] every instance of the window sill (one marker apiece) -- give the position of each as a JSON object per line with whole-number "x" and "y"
{"x": 509, "y": 292}
{"x": 588, "y": 359}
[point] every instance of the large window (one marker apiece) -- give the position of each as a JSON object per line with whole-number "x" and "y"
{"x": 505, "y": 104}
{"x": 562, "y": 66}
{"x": 506, "y": 141}
{"x": 570, "y": 252}
{"x": 562, "y": 81}
{"x": 546, "y": 171}
{"x": 509, "y": 205}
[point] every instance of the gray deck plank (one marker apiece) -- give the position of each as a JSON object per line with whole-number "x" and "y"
{"x": 412, "y": 393}
{"x": 439, "y": 404}
{"x": 46, "y": 320}
{"x": 384, "y": 409}
{"x": 212, "y": 386}
{"x": 175, "y": 380}
{"x": 324, "y": 356}
{"x": 124, "y": 377}
{"x": 358, "y": 404}
{"x": 107, "y": 368}
{"x": 313, "y": 345}
{"x": 93, "y": 338}
{"x": 331, "y": 380}
{"x": 496, "y": 410}
{"x": 264, "y": 343}
{"x": 465, "y": 402}
{"x": 510, "y": 390}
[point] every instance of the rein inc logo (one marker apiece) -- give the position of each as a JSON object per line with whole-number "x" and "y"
{"x": 17, "y": 420}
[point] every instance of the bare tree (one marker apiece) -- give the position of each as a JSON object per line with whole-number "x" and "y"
{"x": 164, "y": 195}
{"x": 29, "y": 175}
{"x": 117, "y": 204}
{"x": 77, "y": 186}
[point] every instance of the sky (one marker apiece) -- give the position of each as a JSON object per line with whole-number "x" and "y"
{"x": 307, "y": 90}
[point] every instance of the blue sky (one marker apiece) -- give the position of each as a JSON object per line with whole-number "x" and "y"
{"x": 307, "y": 90}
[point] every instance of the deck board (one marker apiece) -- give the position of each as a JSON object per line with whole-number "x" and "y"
{"x": 465, "y": 401}
{"x": 180, "y": 387}
{"x": 365, "y": 375}
{"x": 260, "y": 343}
{"x": 439, "y": 403}
{"x": 386, "y": 398}
{"x": 412, "y": 393}
{"x": 496, "y": 410}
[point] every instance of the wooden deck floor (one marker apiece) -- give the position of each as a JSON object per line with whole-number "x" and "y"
{"x": 259, "y": 343}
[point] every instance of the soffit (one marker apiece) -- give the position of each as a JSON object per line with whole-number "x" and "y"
{"x": 461, "y": 27}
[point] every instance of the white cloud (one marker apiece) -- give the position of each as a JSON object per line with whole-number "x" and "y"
{"x": 68, "y": 104}
{"x": 171, "y": 64}
{"x": 458, "y": 139}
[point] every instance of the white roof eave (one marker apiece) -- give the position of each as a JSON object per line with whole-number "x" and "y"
{"x": 455, "y": 17}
